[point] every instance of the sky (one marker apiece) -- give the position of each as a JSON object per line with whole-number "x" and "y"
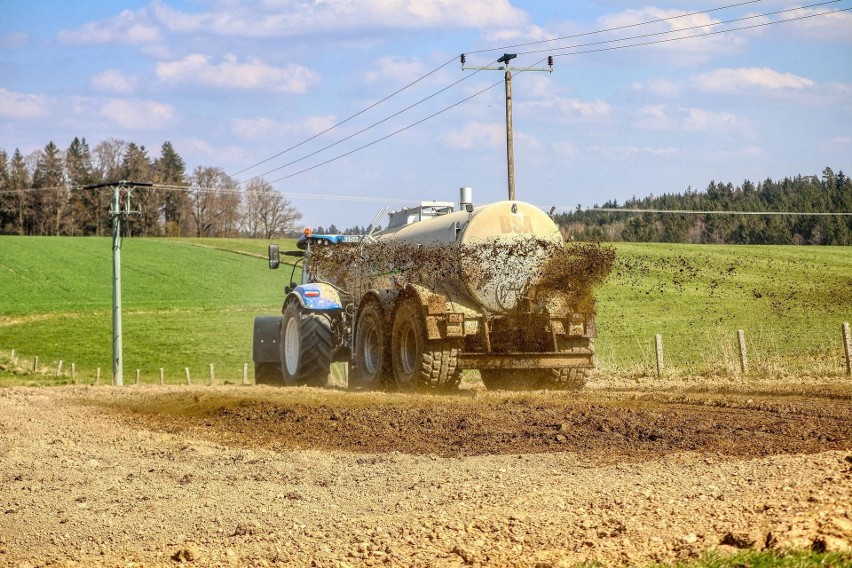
{"x": 296, "y": 92}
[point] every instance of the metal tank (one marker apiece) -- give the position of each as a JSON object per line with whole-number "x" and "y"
{"x": 499, "y": 249}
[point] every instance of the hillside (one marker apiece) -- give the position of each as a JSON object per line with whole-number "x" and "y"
{"x": 191, "y": 302}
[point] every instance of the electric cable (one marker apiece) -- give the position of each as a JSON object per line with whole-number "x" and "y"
{"x": 616, "y": 28}
{"x": 344, "y": 121}
{"x": 699, "y": 26}
{"x": 293, "y": 147}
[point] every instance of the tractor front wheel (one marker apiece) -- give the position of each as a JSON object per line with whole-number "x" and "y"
{"x": 306, "y": 347}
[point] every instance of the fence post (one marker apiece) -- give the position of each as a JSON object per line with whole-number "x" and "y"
{"x": 162, "y": 376}
{"x": 212, "y": 375}
{"x": 188, "y": 380}
{"x": 98, "y": 377}
{"x": 847, "y": 347}
{"x": 74, "y": 373}
{"x": 35, "y": 363}
{"x": 245, "y": 373}
{"x": 59, "y": 368}
{"x": 14, "y": 358}
{"x": 658, "y": 341}
{"x": 743, "y": 357}
{"x": 137, "y": 376}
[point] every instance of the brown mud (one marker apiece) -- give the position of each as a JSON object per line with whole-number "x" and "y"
{"x": 601, "y": 426}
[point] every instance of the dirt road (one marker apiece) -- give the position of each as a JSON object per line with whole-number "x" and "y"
{"x": 621, "y": 473}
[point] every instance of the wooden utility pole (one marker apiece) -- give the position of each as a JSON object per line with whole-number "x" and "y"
{"x": 510, "y": 145}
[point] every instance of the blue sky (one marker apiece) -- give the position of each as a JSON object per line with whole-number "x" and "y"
{"x": 232, "y": 83}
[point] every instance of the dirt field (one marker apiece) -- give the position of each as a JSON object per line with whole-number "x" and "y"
{"x": 623, "y": 473}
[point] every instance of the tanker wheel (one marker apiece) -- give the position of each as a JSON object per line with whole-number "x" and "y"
{"x": 510, "y": 379}
{"x": 306, "y": 346}
{"x": 568, "y": 379}
{"x": 268, "y": 374}
{"x": 372, "y": 352}
{"x": 420, "y": 363}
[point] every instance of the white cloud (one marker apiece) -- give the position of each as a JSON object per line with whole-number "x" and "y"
{"x": 565, "y": 148}
{"x": 395, "y": 70}
{"x": 476, "y": 135}
{"x": 22, "y": 105}
{"x": 561, "y": 108}
{"x": 201, "y": 70}
{"x": 630, "y": 152}
{"x": 262, "y": 128}
{"x": 14, "y": 40}
{"x": 660, "y": 117}
{"x": 137, "y": 114}
{"x": 286, "y": 18}
{"x": 667, "y": 33}
{"x": 129, "y": 27}
{"x": 659, "y": 87}
{"x": 827, "y": 26}
{"x": 113, "y": 81}
{"x": 750, "y": 79}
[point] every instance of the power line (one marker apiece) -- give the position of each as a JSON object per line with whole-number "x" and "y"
{"x": 709, "y": 212}
{"x": 293, "y": 147}
{"x": 641, "y": 44}
{"x": 344, "y": 121}
{"x": 700, "y": 26}
{"x": 375, "y": 124}
{"x": 394, "y": 133}
{"x": 616, "y": 28}
{"x": 697, "y": 36}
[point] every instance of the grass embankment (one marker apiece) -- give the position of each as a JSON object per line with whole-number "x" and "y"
{"x": 790, "y": 302}
{"x": 191, "y": 302}
{"x": 187, "y": 303}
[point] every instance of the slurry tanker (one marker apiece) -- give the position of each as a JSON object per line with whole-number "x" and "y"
{"x": 441, "y": 289}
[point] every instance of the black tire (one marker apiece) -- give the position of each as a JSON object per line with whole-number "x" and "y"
{"x": 268, "y": 374}
{"x": 567, "y": 379}
{"x": 372, "y": 350}
{"x": 419, "y": 363}
{"x": 570, "y": 379}
{"x": 306, "y": 347}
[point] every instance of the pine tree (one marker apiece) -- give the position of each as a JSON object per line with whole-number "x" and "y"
{"x": 51, "y": 202}
{"x": 83, "y": 203}
{"x": 170, "y": 169}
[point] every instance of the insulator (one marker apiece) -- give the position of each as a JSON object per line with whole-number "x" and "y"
{"x": 550, "y": 61}
{"x": 463, "y": 59}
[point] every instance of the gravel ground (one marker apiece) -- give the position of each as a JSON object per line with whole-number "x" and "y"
{"x": 623, "y": 474}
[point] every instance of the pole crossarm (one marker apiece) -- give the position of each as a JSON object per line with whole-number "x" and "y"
{"x": 504, "y": 68}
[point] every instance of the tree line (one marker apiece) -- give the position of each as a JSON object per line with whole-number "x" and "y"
{"x": 830, "y": 193}
{"x": 46, "y": 193}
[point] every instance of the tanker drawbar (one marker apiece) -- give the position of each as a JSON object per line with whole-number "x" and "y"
{"x": 492, "y": 288}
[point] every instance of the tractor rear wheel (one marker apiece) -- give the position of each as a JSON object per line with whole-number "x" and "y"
{"x": 570, "y": 379}
{"x": 567, "y": 379}
{"x": 418, "y": 362}
{"x": 306, "y": 347}
{"x": 372, "y": 351}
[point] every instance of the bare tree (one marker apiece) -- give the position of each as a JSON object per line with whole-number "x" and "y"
{"x": 214, "y": 202}
{"x": 267, "y": 212}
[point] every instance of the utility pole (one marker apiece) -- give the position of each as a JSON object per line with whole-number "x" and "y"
{"x": 120, "y": 208}
{"x": 510, "y": 145}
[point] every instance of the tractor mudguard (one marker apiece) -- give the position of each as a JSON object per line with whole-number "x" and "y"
{"x": 318, "y": 296}
{"x": 267, "y": 331}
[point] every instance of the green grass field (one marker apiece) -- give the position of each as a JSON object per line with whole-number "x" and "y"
{"x": 191, "y": 302}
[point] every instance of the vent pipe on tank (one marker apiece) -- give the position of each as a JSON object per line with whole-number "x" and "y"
{"x": 465, "y": 198}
